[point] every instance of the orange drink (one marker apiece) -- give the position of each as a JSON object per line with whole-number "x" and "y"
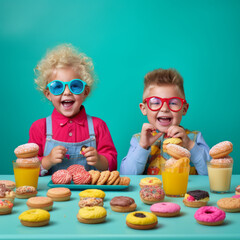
{"x": 175, "y": 179}
{"x": 26, "y": 174}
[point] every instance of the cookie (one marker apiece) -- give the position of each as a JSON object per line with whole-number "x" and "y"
{"x": 113, "y": 177}
{"x": 59, "y": 194}
{"x": 103, "y": 177}
{"x": 124, "y": 181}
{"x": 82, "y": 177}
{"x": 117, "y": 181}
{"x": 44, "y": 203}
{"x": 229, "y": 204}
{"x": 95, "y": 176}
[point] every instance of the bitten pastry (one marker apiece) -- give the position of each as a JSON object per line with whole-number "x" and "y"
{"x": 44, "y": 203}
{"x": 196, "y": 199}
{"x": 9, "y": 184}
{"x": 59, "y": 194}
{"x": 210, "y": 216}
{"x": 221, "y": 149}
{"x": 96, "y": 193}
{"x": 5, "y": 207}
{"x": 177, "y": 151}
{"x": 165, "y": 209}
{"x": 151, "y": 181}
{"x": 90, "y": 202}
{"x": 141, "y": 220}
{"x": 123, "y": 204}
{"x": 83, "y": 149}
{"x": 34, "y": 218}
{"x": 237, "y": 190}
{"x": 229, "y": 204}
{"x": 152, "y": 194}
{"x": 27, "y": 150}
{"x": 177, "y": 141}
{"x": 92, "y": 215}
{"x": 26, "y": 192}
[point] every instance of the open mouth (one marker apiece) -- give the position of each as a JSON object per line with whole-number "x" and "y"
{"x": 67, "y": 104}
{"x": 164, "y": 120}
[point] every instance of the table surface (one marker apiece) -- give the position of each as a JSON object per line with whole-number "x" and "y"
{"x": 64, "y": 224}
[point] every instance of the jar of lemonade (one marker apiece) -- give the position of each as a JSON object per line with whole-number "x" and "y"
{"x": 26, "y": 172}
{"x": 175, "y": 177}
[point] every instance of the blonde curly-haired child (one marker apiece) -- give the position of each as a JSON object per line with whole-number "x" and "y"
{"x": 66, "y": 78}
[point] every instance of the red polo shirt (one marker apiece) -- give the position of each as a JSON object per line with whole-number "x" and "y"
{"x": 75, "y": 130}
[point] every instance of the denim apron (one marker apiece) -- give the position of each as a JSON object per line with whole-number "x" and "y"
{"x": 73, "y": 155}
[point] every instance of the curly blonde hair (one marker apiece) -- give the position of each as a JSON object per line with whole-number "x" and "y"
{"x": 64, "y": 55}
{"x": 164, "y": 76}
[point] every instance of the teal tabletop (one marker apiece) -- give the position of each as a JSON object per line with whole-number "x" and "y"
{"x": 64, "y": 224}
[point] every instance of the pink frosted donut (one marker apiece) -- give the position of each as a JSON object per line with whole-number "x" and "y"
{"x": 27, "y": 150}
{"x": 165, "y": 209}
{"x": 224, "y": 162}
{"x": 236, "y": 196}
{"x": 75, "y": 168}
{"x": 209, "y": 215}
{"x": 61, "y": 177}
{"x": 221, "y": 149}
{"x": 177, "y": 151}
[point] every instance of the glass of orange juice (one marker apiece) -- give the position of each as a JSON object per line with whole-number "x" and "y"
{"x": 26, "y": 174}
{"x": 175, "y": 180}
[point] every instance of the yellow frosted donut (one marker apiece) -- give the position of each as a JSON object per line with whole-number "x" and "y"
{"x": 141, "y": 220}
{"x": 96, "y": 193}
{"x": 91, "y": 215}
{"x": 152, "y": 181}
{"x": 34, "y": 217}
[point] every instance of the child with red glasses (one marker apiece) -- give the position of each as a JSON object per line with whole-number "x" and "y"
{"x": 66, "y": 77}
{"x": 164, "y": 105}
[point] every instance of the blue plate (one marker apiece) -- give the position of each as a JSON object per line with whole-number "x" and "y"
{"x": 76, "y": 187}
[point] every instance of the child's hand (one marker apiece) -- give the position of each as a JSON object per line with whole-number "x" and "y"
{"x": 95, "y": 159}
{"x": 55, "y": 156}
{"x": 147, "y": 136}
{"x": 179, "y": 132}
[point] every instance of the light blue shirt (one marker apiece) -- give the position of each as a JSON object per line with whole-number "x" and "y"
{"x": 135, "y": 161}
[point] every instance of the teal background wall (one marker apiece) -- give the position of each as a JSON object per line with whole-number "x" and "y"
{"x": 125, "y": 39}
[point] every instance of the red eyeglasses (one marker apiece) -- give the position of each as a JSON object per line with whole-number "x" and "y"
{"x": 174, "y": 104}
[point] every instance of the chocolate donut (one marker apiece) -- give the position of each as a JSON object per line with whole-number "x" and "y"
{"x": 198, "y": 194}
{"x": 123, "y": 204}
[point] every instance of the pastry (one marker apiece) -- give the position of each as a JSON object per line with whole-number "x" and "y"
{"x": 82, "y": 177}
{"x": 221, "y": 162}
{"x": 114, "y": 175}
{"x": 96, "y": 193}
{"x": 26, "y": 192}
{"x": 59, "y": 194}
{"x": 9, "y": 184}
{"x": 83, "y": 149}
{"x": 75, "y": 168}
{"x": 229, "y": 204}
{"x": 123, "y": 204}
{"x": 90, "y": 202}
{"x": 152, "y": 194}
{"x": 177, "y": 141}
{"x": 103, "y": 177}
{"x": 221, "y": 149}
{"x": 211, "y": 216}
{"x": 117, "y": 181}
{"x": 61, "y": 177}
{"x": 44, "y": 203}
{"x": 92, "y": 215}
{"x": 196, "y": 199}
{"x": 141, "y": 220}
{"x": 165, "y": 209}
{"x": 124, "y": 181}
{"x": 27, "y": 150}
{"x": 5, "y": 207}
{"x": 151, "y": 181}
{"x": 6, "y": 193}
{"x": 94, "y": 176}
{"x": 177, "y": 151}
{"x": 34, "y": 218}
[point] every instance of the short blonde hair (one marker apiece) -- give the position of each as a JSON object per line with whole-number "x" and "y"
{"x": 164, "y": 77}
{"x": 64, "y": 55}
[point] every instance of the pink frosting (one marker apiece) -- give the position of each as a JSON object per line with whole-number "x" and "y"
{"x": 209, "y": 214}
{"x": 236, "y": 196}
{"x": 165, "y": 207}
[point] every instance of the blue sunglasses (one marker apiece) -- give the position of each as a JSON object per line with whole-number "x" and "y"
{"x": 57, "y": 87}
